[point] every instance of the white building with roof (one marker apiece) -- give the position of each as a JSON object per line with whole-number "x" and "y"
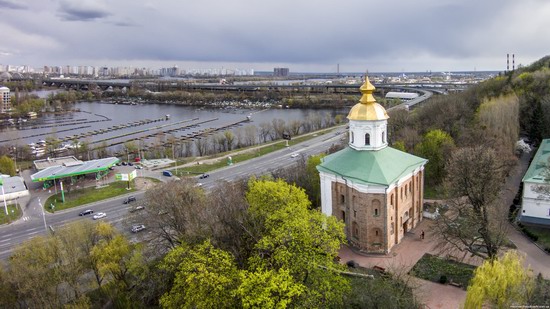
{"x": 535, "y": 204}
{"x": 376, "y": 190}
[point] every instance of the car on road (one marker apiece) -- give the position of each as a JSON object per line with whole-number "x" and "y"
{"x": 139, "y": 207}
{"x": 167, "y": 173}
{"x": 138, "y": 167}
{"x": 203, "y": 176}
{"x": 100, "y": 215}
{"x": 294, "y": 155}
{"x": 129, "y": 199}
{"x": 86, "y": 212}
{"x": 124, "y": 163}
{"x": 130, "y": 164}
{"x": 137, "y": 228}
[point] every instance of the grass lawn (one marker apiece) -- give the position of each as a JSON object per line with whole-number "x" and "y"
{"x": 14, "y": 213}
{"x": 543, "y": 235}
{"x": 151, "y": 179}
{"x": 431, "y": 268}
{"x": 87, "y": 195}
{"x": 203, "y": 168}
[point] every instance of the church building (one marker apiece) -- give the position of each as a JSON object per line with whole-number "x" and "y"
{"x": 376, "y": 190}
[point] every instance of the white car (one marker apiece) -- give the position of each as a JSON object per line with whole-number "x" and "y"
{"x": 294, "y": 155}
{"x": 100, "y": 215}
{"x": 138, "y": 228}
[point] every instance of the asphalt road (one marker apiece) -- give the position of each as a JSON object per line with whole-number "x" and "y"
{"x": 34, "y": 225}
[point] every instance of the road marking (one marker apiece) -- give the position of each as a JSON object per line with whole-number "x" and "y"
{"x": 8, "y": 243}
{"x": 34, "y": 233}
{"x": 5, "y": 240}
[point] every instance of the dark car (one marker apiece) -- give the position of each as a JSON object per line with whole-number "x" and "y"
{"x": 130, "y": 164}
{"x": 203, "y": 176}
{"x": 124, "y": 163}
{"x": 129, "y": 199}
{"x": 86, "y": 212}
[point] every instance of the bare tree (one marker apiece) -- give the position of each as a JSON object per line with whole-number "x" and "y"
{"x": 475, "y": 222}
{"x": 250, "y": 135}
{"x": 265, "y": 131}
{"x": 173, "y": 214}
{"x": 294, "y": 127}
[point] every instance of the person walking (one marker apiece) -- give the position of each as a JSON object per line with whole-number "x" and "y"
{"x": 422, "y": 234}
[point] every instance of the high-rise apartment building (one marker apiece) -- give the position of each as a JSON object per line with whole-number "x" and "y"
{"x": 5, "y": 100}
{"x": 280, "y": 72}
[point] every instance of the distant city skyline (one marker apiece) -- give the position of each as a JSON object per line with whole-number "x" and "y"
{"x": 352, "y": 35}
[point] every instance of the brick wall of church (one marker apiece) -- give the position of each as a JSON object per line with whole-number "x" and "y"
{"x": 375, "y": 223}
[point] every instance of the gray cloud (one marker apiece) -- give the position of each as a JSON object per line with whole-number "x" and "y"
{"x": 82, "y": 11}
{"x": 381, "y": 35}
{"x": 11, "y": 5}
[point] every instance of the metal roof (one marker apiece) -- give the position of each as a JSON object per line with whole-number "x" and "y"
{"x": 538, "y": 164}
{"x": 380, "y": 167}
{"x": 87, "y": 167}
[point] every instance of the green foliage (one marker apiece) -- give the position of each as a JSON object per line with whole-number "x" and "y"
{"x": 298, "y": 240}
{"x": 435, "y": 146}
{"x": 205, "y": 277}
{"x": 434, "y": 268}
{"x": 380, "y": 292}
{"x": 268, "y": 289}
{"x": 399, "y": 145}
{"x": 7, "y": 166}
{"x": 501, "y": 282}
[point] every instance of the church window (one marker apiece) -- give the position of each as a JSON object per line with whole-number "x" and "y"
{"x": 343, "y": 216}
{"x": 376, "y": 232}
{"x": 406, "y": 190}
{"x": 391, "y": 200}
{"x": 383, "y": 137}
{"x": 367, "y": 139}
{"x": 342, "y": 199}
{"x": 355, "y": 230}
{"x": 401, "y": 193}
{"x": 355, "y": 213}
{"x": 352, "y": 137}
{"x": 376, "y": 207}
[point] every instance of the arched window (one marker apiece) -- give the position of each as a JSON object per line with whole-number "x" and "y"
{"x": 355, "y": 230}
{"x": 383, "y": 137}
{"x": 376, "y": 207}
{"x": 367, "y": 139}
{"x": 351, "y": 136}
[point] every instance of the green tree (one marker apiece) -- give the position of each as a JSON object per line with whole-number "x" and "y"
{"x": 313, "y": 187}
{"x": 115, "y": 258}
{"x": 305, "y": 242}
{"x": 436, "y": 145}
{"x": 34, "y": 269}
{"x": 7, "y": 166}
{"x": 399, "y": 145}
{"x": 501, "y": 283}
{"x": 268, "y": 289}
{"x": 205, "y": 277}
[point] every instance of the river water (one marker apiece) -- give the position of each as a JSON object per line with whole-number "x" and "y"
{"x": 93, "y": 116}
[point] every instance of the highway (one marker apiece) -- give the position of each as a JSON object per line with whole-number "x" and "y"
{"x": 13, "y": 234}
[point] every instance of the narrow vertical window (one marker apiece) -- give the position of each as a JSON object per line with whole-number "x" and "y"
{"x": 367, "y": 139}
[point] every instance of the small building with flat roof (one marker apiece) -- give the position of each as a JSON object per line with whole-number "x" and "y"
{"x": 13, "y": 187}
{"x": 61, "y": 161}
{"x": 405, "y": 96}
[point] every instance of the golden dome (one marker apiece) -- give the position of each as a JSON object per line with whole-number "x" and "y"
{"x": 367, "y": 108}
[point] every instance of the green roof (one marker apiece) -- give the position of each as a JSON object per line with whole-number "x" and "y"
{"x": 381, "y": 167}
{"x": 535, "y": 171}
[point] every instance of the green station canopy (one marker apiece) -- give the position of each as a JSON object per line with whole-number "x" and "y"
{"x": 75, "y": 169}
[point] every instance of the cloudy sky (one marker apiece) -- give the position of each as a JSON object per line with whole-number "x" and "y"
{"x": 304, "y": 35}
